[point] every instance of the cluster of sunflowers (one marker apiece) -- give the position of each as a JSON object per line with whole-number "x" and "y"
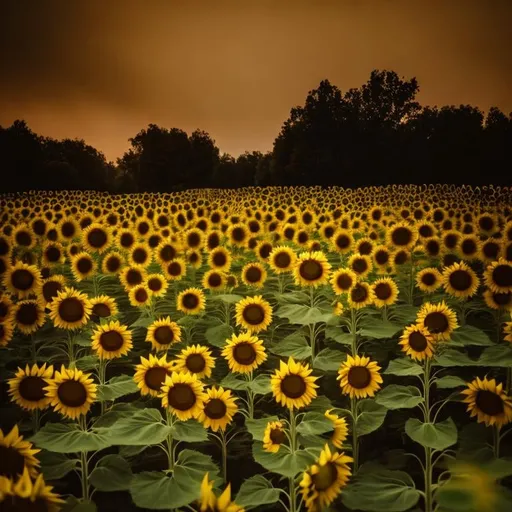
{"x": 134, "y": 327}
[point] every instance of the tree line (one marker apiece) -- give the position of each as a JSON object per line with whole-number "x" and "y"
{"x": 376, "y": 134}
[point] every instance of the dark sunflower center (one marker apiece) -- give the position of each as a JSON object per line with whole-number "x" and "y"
{"x": 84, "y": 265}
{"x": 238, "y": 234}
{"x": 195, "y": 363}
{"x": 219, "y": 259}
{"x": 451, "y": 241}
{"x": 167, "y": 253}
{"x": 253, "y": 314}
{"x": 325, "y": 477}
{"x": 53, "y": 254}
{"x": 277, "y": 436}
{"x": 359, "y": 265}
{"x": 194, "y": 240}
{"x": 491, "y": 250}
{"x": 214, "y": 280}
{"x": 365, "y": 248}
{"x": 502, "y": 275}
{"x": 468, "y": 247}
{"x": 23, "y": 238}
{"x": 126, "y": 240}
{"x": 381, "y": 257}
{"x": 401, "y": 236}
{"x": 22, "y": 279}
{"x": 253, "y": 275}
{"x": 68, "y": 229}
{"x": 71, "y": 309}
{"x": 27, "y": 314}
{"x": 502, "y": 299}
{"x": 174, "y": 269}
{"x": 72, "y": 393}
{"x": 417, "y": 341}
{"x": 433, "y": 247}
{"x": 282, "y": 260}
{"x": 113, "y": 264}
{"x": 400, "y": 257}
{"x": 358, "y": 293}
{"x": 141, "y": 295}
{"x": 39, "y": 227}
{"x": 11, "y": 462}
{"x": 133, "y": 277}
{"x": 293, "y": 386}
{"x": 344, "y": 281}
{"x": 426, "y": 231}
{"x": 489, "y": 403}
{"x": 359, "y": 377}
{"x": 31, "y": 388}
{"x": 101, "y": 310}
{"x": 4, "y": 309}
{"x": 111, "y": 341}
{"x": 311, "y": 270}
{"x": 51, "y": 290}
{"x": 265, "y": 251}
{"x": 181, "y": 397}
{"x": 342, "y": 241}
{"x": 383, "y": 291}
{"x": 244, "y": 353}
{"x": 139, "y": 255}
{"x": 97, "y": 238}
{"x": 486, "y": 223}
{"x": 190, "y": 301}
{"x": 436, "y": 322}
{"x": 460, "y": 280}
{"x": 428, "y": 279}
{"x": 215, "y": 409}
{"x": 154, "y": 284}
{"x": 164, "y": 335}
{"x": 155, "y": 377}
{"x": 143, "y": 228}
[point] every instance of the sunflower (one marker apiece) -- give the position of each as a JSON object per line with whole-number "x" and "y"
{"x": 25, "y": 494}
{"x": 23, "y": 237}
{"x": 417, "y": 342}
{"x": 238, "y": 234}
{"x": 195, "y": 359}
{"x": 381, "y": 257}
{"x": 343, "y": 280}
{"x": 208, "y": 501}
{"x": 488, "y": 402}
{"x": 244, "y": 353}
{"x": 53, "y": 253}
{"x": 342, "y": 241}
{"x": 253, "y": 314}
{"x": 219, "y": 409}
{"x": 16, "y": 455}
{"x": 361, "y": 265}
{"x": 469, "y": 247}
{"x": 274, "y": 436}
{"x": 175, "y": 269}
{"x": 96, "y": 238}
{"x": 338, "y": 309}
{"x": 51, "y": 288}
{"x": 429, "y": 279}
{"x": 498, "y": 276}
{"x": 139, "y": 296}
{"x": 157, "y": 284}
{"x": 340, "y": 426}
{"x": 103, "y": 306}
{"x": 163, "y": 333}
{"x": 71, "y": 392}
{"x": 112, "y": 263}
{"x": 131, "y": 277}
{"x": 6, "y": 332}
{"x": 29, "y": 316}
{"x": 166, "y": 251}
{"x": 322, "y": 482}
{"x": 214, "y": 280}
{"x": 439, "y": 319}
{"x": 111, "y": 340}
{"x": 27, "y": 387}
{"x": 22, "y": 280}
{"x": 311, "y": 269}
{"x": 460, "y": 280}
{"x": 6, "y": 307}
{"x": 359, "y": 377}
{"x": 507, "y": 331}
{"x": 68, "y": 228}
{"x": 150, "y": 374}
{"x": 385, "y": 292}
{"x": 191, "y": 301}
{"x": 401, "y": 236}
{"x": 220, "y": 259}
{"x": 282, "y": 259}
{"x": 83, "y": 266}
{"x": 360, "y": 296}
{"x": 182, "y": 393}
{"x": 495, "y": 300}
{"x": 71, "y": 309}
{"x": 292, "y": 385}
{"x": 140, "y": 255}
{"x": 254, "y": 274}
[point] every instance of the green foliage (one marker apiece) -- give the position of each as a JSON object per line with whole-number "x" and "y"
{"x": 403, "y": 367}
{"x": 283, "y": 462}
{"x": 112, "y": 473}
{"x": 117, "y": 387}
{"x": 256, "y": 491}
{"x": 370, "y": 417}
{"x": 294, "y": 345}
{"x": 399, "y": 397}
{"x": 432, "y": 435}
{"x": 314, "y": 423}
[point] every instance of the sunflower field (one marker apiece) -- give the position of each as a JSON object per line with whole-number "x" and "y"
{"x": 268, "y": 349}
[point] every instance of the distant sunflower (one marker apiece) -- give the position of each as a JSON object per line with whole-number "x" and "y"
{"x": 219, "y": 409}
{"x": 23, "y": 237}
{"x": 96, "y": 238}
{"x": 253, "y": 314}
{"x": 112, "y": 263}
{"x": 244, "y": 353}
{"x": 23, "y": 280}
{"x": 51, "y": 288}
{"x": 176, "y": 269}
{"x": 340, "y": 433}
{"x": 498, "y": 276}
{"x": 359, "y": 377}
{"x": 263, "y": 250}
{"x": 16, "y": 455}
{"x": 140, "y": 255}
{"x": 439, "y": 319}
{"x": 254, "y": 274}
{"x": 417, "y": 342}
{"x": 385, "y": 292}
{"x": 53, "y": 253}
{"x": 360, "y": 296}
{"x": 26, "y": 388}
{"x": 292, "y": 385}
{"x": 163, "y": 333}
{"x": 103, "y": 306}
{"x": 139, "y": 295}
{"x": 496, "y": 300}
{"x": 6, "y": 332}
{"x": 72, "y": 392}
{"x": 342, "y": 241}
{"x": 381, "y": 257}
{"x": 71, "y": 309}
{"x": 342, "y": 280}
{"x": 150, "y": 374}
{"x": 490, "y": 250}
{"x": 68, "y": 228}
{"x": 214, "y": 280}
{"x": 220, "y": 259}
{"x": 83, "y": 266}
{"x": 274, "y": 436}
{"x": 282, "y": 259}
{"x": 401, "y": 236}
{"x": 361, "y": 265}
{"x": 429, "y": 279}
{"x": 488, "y": 402}
{"x": 157, "y": 284}
{"x": 460, "y": 280}
{"x": 6, "y": 307}
{"x": 238, "y": 234}
{"x": 183, "y": 395}
{"x": 195, "y": 359}
{"x": 311, "y": 269}
{"x": 469, "y": 247}
{"x": 29, "y": 316}
{"x": 131, "y": 277}
{"x": 166, "y": 251}
{"x": 191, "y": 301}
{"x": 111, "y": 340}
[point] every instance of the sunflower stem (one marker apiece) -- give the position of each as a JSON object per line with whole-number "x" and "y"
{"x": 35, "y": 421}
{"x": 293, "y": 447}
{"x": 102, "y": 377}
{"x": 496, "y": 441}
{"x": 355, "y": 440}
{"x": 170, "y": 450}
{"x": 71, "y": 351}
{"x": 84, "y": 463}
{"x": 224, "y": 448}
{"x": 353, "y": 330}
{"x": 428, "y": 451}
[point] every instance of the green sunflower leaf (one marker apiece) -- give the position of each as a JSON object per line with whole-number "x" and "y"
{"x": 314, "y": 423}
{"x": 256, "y": 491}
{"x": 55, "y": 465}
{"x": 257, "y": 427}
{"x": 143, "y": 321}
{"x": 87, "y": 363}
{"x": 112, "y": 473}
{"x": 336, "y": 333}
{"x": 191, "y": 431}
{"x": 75, "y": 505}
{"x": 403, "y": 367}
{"x": 432, "y": 435}
{"x": 303, "y": 315}
{"x": 370, "y": 417}
{"x": 328, "y": 360}
{"x": 117, "y": 387}
{"x": 218, "y": 335}
{"x": 399, "y": 397}
{"x": 260, "y": 385}
{"x": 228, "y": 298}
{"x": 283, "y": 462}
{"x": 231, "y": 381}
{"x": 470, "y": 335}
{"x": 294, "y": 345}
{"x": 450, "y": 382}
{"x": 379, "y": 329}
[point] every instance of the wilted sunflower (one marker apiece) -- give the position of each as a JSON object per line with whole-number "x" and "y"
{"x": 182, "y": 393}
{"x": 29, "y": 316}
{"x": 6, "y": 332}
{"x": 111, "y": 340}
{"x": 131, "y": 277}
{"x": 498, "y": 276}
{"x": 322, "y": 482}
{"x": 359, "y": 377}
{"x": 71, "y": 309}
{"x": 254, "y": 274}
{"x": 83, "y": 266}
{"x": 342, "y": 280}
{"x": 16, "y": 455}
{"x": 460, "y": 280}
{"x": 488, "y": 402}
{"x": 253, "y": 314}
{"x": 139, "y": 295}
{"x": 157, "y": 284}
{"x": 282, "y": 259}
{"x": 191, "y": 301}
{"x": 361, "y": 265}
{"x": 417, "y": 342}
{"x": 244, "y": 353}
{"x": 439, "y": 319}
{"x": 208, "y": 501}
{"x": 214, "y": 280}
{"x": 385, "y": 292}
{"x": 96, "y": 238}
{"x": 72, "y": 392}
{"x": 311, "y": 269}
{"x": 103, "y": 306}
{"x": 219, "y": 409}
{"x": 195, "y": 359}
{"x": 51, "y": 288}
{"x": 26, "y": 388}
{"x": 429, "y": 280}
{"x": 150, "y": 374}
{"x": 22, "y": 280}
{"x": 274, "y": 436}
{"x": 163, "y": 333}
{"x": 360, "y": 296}
{"x": 292, "y": 385}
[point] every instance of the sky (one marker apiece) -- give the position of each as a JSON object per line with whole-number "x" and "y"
{"x": 103, "y": 70}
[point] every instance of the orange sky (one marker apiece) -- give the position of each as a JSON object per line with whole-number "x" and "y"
{"x": 103, "y": 70}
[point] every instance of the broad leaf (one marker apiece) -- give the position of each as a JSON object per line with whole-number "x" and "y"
{"x": 190, "y": 431}
{"x": 87, "y": 363}
{"x": 313, "y": 423}
{"x": 257, "y": 427}
{"x": 228, "y": 298}
{"x": 294, "y": 345}
{"x": 303, "y": 315}
{"x": 232, "y": 381}
{"x": 117, "y": 387}
{"x": 218, "y": 335}
{"x": 399, "y": 397}
{"x": 283, "y": 462}
{"x": 56, "y": 465}
{"x": 403, "y": 367}
{"x": 336, "y": 333}
{"x": 379, "y": 329}
{"x": 143, "y": 321}
{"x": 328, "y": 360}
{"x": 450, "y": 382}
{"x": 370, "y": 417}
{"x": 469, "y": 335}
{"x": 260, "y": 385}
{"x": 432, "y": 435}
{"x": 256, "y": 491}
{"x": 112, "y": 473}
